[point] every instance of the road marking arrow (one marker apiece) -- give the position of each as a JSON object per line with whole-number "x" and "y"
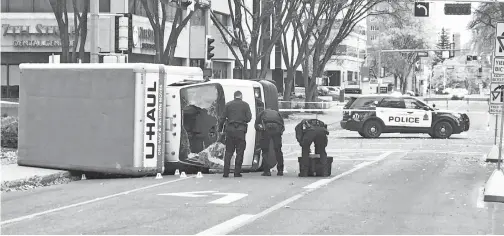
{"x": 229, "y": 198}
{"x": 188, "y": 194}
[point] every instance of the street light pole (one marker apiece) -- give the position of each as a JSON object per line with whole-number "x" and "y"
{"x": 94, "y": 9}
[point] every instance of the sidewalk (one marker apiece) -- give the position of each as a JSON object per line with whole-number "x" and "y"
{"x": 16, "y": 177}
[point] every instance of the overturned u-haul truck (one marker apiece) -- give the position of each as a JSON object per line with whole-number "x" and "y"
{"x": 132, "y": 119}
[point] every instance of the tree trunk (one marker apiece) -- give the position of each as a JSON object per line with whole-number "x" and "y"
{"x": 159, "y": 45}
{"x": 288, "y": 84}
{"x": 395, "y": 82}
{"x": 83, "y": 35}
{"x": 404, "y": 85}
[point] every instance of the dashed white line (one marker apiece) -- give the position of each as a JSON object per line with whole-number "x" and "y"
{"x": 89, "y": 201}
{"x": 242, "y": 220}
{"x": 231, "y": 224}
{"x": 317, "y": 184}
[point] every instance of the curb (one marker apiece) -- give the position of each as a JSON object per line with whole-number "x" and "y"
{"x": 38, "y": 181}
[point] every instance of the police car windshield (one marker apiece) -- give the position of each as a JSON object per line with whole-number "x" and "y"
{"x": 364, "y": 102}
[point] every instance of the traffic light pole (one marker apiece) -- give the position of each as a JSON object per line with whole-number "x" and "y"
{"x": 94, "y": 9}
{"x": 208, "y": 63}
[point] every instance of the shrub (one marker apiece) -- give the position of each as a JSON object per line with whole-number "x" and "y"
{"x": 9, "y": 132}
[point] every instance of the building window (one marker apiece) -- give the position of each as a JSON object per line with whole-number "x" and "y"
{"x": 45, "y": 6}
{"x": 220, "y": 70}
{"x": 198, "y": 18}
{"x": 20, "y": 6}
{"x": 349, "y": 76}
{"x": 222, "y": 18}
{"x": 10, "y": 81}
{"x": 373, "y": 37}
{"x": 374, "y": 28}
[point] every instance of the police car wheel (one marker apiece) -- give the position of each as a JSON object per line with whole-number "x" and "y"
{"x": 372, "y": 129}
{"x": 443, "y": 130}
{"x": 362, "y": 134}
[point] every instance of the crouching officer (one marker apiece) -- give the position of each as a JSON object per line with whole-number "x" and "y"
{"x": 310, "y": 131}
{"x": 271, "y": 126}
{"x": 236, "y": 116}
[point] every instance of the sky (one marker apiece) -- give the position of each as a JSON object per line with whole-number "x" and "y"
{"x": 454, "y": 23}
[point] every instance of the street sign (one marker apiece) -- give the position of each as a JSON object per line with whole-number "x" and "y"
{"x": 496, "y": 93}
{"x": 498, "y": 66}
{"x": 383, "y": 89}
{"x": 228, "y": 197}
{"x": 497, "y": 78}
{"x": 457, "y": 9}
{"x": 423, "y": 54}
{"x": 495, "y": 109}
{"x": 422, "y": 9}
{"x": 499, "y": 44}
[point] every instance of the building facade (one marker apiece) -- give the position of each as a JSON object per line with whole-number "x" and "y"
{"x": 30, "y": 34}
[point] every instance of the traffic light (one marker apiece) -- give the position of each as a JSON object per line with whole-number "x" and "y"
{"x": 452, "y": 53}
{"x": 471, "y": 58}
{"x": 123, "y": 33}
{"x": 210, "y": 48}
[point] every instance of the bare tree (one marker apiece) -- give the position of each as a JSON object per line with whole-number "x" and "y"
{"x": 305, "y": 25}
{"x": 325, "y": 42}
{"x": 60, "y": 11}
{"x": 400, "y": 65}
{"x": 252, "y": 33}
{"x": 166, "y": 53}
{"x": 483, "y": 25}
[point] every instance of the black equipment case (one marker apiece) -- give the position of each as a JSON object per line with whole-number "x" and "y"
{"x": 315, "y": 167}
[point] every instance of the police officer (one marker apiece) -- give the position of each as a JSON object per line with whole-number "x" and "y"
{"x": 271, "y": 125}
{"x": 310, "y": 131}
{"x": 236, "y": 117}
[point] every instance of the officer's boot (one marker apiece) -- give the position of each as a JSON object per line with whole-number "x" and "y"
{"x": 303, "y": 171}
{"x": 325, "y": 172}
{"x": 280, "y": 170}
{"x": 266, "y": 173}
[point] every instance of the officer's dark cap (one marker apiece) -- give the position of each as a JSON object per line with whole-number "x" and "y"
{"x": 237, "y": 94}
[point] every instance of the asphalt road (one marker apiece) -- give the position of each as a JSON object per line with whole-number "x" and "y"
{"x": 397, "y": 184}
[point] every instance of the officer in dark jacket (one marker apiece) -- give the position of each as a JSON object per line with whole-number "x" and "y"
{"x": 310, "y": 131}
{"x": 236, "y": 117}
{"x": 271, "y": 126}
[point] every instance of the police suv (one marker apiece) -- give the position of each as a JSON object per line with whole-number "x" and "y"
{"x": 372, "y": 115}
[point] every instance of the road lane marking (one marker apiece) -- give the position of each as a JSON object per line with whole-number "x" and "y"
{"x": 228, "y": 198}
{"x": 317, "y": 184}
{"x": 226, "y": 227}
{"x": 231, "y": 224}
{"x": 187, "y": 194}
{"x": 89, "y": 201}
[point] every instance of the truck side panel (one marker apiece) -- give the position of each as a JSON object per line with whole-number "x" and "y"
{"x": 77, "y": 119}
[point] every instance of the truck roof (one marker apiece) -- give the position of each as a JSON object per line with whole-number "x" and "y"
{"x": 136, "y": 67}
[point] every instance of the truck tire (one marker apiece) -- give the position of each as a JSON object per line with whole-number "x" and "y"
{"x": 372, "y": 129}
{"x": 443, "y": 130}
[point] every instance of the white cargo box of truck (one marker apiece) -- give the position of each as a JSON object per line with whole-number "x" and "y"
{"x": 106, "y": 118}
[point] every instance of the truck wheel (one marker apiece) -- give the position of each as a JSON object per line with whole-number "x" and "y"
{"x": 372, "y": 129}
{"x": 443, "y": 130}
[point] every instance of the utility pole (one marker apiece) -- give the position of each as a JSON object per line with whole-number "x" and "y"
{"x": 94, "y": 9}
